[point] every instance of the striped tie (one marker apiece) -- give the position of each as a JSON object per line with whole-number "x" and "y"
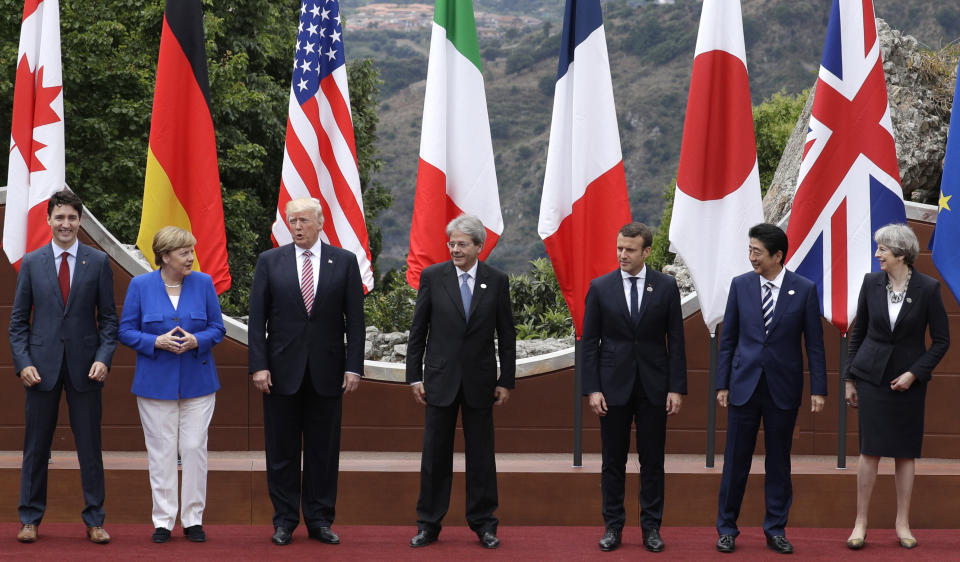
{"x": 306, "y": 282}
{"x": 767, "y": 306}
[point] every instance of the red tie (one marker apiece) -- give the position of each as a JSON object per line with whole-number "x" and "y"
{"x": 64, "y": 277}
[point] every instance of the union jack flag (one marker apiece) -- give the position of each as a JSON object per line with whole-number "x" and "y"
{"x": 320, "y": 156}
{"x": 849, "y": 182}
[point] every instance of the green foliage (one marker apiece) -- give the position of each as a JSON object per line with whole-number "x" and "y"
{"x": 773, "y": 122}
{"x": 660, "y": 254}
{"x": 539, "y": 310}
{"x": 389, "y": 306}
{"x": 661, "y": 38}
{"x": 109, "y": 53}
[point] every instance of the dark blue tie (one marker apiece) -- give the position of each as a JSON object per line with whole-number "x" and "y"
{"x": 634, "y": 300}
{"x": 767, "y": 305}
{"x": 466, "y": 295}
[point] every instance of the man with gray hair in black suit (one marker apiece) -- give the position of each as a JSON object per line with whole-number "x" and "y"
{"x": 463, "y": 306}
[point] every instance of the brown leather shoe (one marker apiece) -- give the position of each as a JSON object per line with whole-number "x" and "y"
{"x": 98, "y": 535}
{"x": 27, "y": 533}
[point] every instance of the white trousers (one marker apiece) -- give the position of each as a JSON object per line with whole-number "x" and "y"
{"x": 169, "y": 427}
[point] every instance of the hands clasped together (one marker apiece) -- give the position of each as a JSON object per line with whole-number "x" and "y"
{"x": 177, "y": 340}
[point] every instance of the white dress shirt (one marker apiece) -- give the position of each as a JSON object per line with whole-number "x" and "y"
{"x": 627, "y": 285}
{"x": 471, "y": 276}
{"x": 314, "y": 262}
{"x": 775, "y": 289}
{"x": 71, "y": 258}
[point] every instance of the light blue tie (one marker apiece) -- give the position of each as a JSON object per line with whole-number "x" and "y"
{"x": 466, "y": 295}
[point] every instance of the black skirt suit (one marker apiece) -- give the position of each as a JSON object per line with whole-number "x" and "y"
{"x": 891, "y": 422}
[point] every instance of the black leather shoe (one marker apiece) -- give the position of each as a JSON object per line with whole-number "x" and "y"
{"x": 323, "y": 534}
{"x": 489, "y": 540}
{"x": 195, "y": 533}
{"x": 161, "y": 535}
{"x": 780, "y": 544}
{"x": 652, "y": 540}
{"x": 726, "y": 544}
{"x": 423, "y": 538}
{"x": 610, "y": 540}
{"x": 281, "y": 537}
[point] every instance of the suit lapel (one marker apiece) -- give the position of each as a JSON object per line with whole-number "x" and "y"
{"x": 48, "y": 270}
{"x": 291, "y": 273}
{"x": 451, "y": 284}
{"x": 80, "y": 268}
{"x": 616, "y": 293}
{"x": 912, "y": 293}
{"x": 646, "y": 292}
{"x": 327, "y": 263}
{"x": 783, "y": 301}
{"x": 479, "y": 287}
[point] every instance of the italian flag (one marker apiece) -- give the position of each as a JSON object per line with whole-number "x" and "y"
{"x": 456, "y": 172}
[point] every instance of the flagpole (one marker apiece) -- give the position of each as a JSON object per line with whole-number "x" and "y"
{"x": 577, "y": 405}
{"x": 842, "y": 405}
{"x": 712, "y": 402}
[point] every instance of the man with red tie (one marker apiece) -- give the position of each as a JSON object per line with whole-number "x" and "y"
{"x": 67, "y": 346}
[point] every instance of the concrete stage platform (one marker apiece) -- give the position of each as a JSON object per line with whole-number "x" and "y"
{"x": 535, "y": 489}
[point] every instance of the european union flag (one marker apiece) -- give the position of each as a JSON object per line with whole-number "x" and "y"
{"x": 946, "y": 237}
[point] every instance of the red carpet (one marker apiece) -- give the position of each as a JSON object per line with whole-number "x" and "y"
{"x": 65, "y": 541}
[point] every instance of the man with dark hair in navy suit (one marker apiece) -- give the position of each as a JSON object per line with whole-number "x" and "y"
{"x": 770, "y": 311}
{"x": 63, "y": 332}
{"x": 634, "y": 368}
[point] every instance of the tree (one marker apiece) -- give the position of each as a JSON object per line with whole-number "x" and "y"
{"x": 773, "y": 122}
{"x": 109, "y": 51}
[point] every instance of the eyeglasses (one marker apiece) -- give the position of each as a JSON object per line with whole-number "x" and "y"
{"x": 459, "y": 245}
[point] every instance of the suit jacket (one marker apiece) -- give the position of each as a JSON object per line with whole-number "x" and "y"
{"x": 745, "y": 352}
{"x": 83, "y": 331}
{"x": 616, "y": 350}
{"x": 877, "y": 352}
{"x": 445, "y": 351}
{"x": 148, "y": 312}
{"x": 283, "y": 339}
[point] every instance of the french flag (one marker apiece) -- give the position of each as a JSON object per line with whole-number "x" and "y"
{"x": 717, "y": 198}
{"x": 584, "y": 201}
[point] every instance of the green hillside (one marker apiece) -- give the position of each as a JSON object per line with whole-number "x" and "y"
{"x": 651, "y": 48}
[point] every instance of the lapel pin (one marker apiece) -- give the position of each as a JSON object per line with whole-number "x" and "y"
{"x": 330, "y": 261}
{"x": 649, "y": 288}
{"x": 483, "y": 285}
{"x": 791, "y": 292}
{"x": 909, "y": 300}
{"x": 84, "y": 262}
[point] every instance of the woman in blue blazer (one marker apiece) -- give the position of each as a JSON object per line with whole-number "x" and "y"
{"x": 889, "y": 368}
{"x": 171, "y": 318}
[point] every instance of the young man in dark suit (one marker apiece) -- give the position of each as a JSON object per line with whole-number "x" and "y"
{"x": 68, "y": 345}
{"x": 634, "y": 368}
{"x": 463, "y": 305}
{"x": 306, "y": 298}
{"x": 771, "y": 314}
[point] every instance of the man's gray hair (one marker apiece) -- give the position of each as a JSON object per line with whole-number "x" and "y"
{"x": 900, "y": 240}
{"x": 302, "y": 204}
{"x": 469, "y": 225}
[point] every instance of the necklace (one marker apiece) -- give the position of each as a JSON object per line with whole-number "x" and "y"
{"x": 897, "y": 296}
{"x": 170, "y": 286}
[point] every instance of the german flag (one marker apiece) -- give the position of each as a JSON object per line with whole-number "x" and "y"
{"x": 182, "y": 184}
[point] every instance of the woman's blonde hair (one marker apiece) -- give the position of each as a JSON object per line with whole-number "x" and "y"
{"x": 170, "y": 238}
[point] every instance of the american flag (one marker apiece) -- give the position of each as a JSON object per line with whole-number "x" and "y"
{"x": 849, "y": 183}
{"x": 320, "y": 156}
